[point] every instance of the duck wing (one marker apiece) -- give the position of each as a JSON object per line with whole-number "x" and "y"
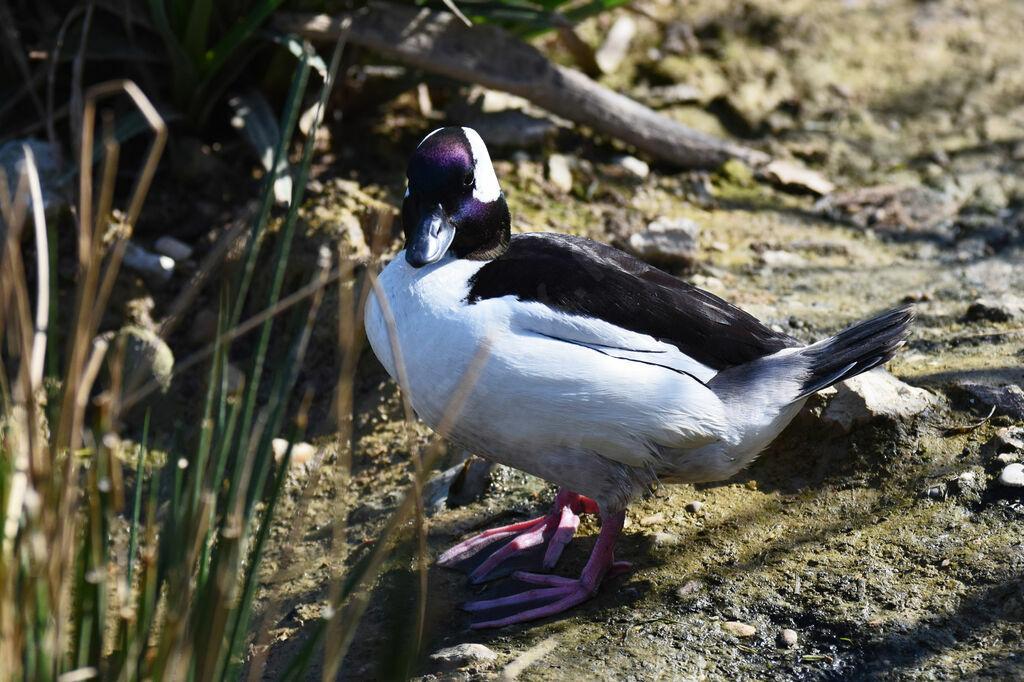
{"x": 623, "y": 303}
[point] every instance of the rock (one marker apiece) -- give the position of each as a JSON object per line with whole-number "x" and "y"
{"x": 782, "y": 259}
{"x": 559, "y": 173}
{"x": 471, "y": 482}
{"x": 787, "y": 638}
{"x": 1002, "y": 309}
{"x": 671, "y": 242}
{"x": 610, "y": 55}
{"x": 968, "y": 486}
{"x": 175, "y": 248}
{"x": 872, "y": 395}
{"x": 1012, "y": 476}
{"x": 652, "y": 519}
{"x": 734, "y": 627}
{"x": 1007, "y": 400}
{"x": 1006, "y": 457}
{"x": 1007, "y": 440}
{"x": 689, "y": 588}
{"x": 694, "y": 506}
{"x": 301, "y": 452}
{"x": 634, "y": 166}
{"x": 461, "y": 655}
{"x": 156, "y": 267}
{"x": 793, "y": 178}
{"x": 457, "y": 485}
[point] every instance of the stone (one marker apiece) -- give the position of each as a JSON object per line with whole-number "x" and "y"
{"x": 559, "y": 173}
{"x": 1006, "y": 457}
{"x": 471, "y": 482}
{"x": 301, "y": 452}
{"x": 968, "y": 486}
{"x": 670, "y": 242}
{"x": 872, "y": 395}
{"x": 1007, "y": 400}
{"x": 787, "y": 638}
{"x": 1012, "y": 476}
{"x": 690, "y": 587}
{"x": 457, "y": 485}
{"x": 611, "y": 53}
{"x": 735, "y": 627}
{"x": 794, "y": 178}
{"x": 1002, "y": 309}
{"x": 634, "y": 166}
{"x": 156, "y": 267}
{"x": 694, "y": 506}
{"x": 652, "y": 519}
{"x": 175, "y": 248}
{"x": 461, "y": 655}
{"x": 774, "y": 258}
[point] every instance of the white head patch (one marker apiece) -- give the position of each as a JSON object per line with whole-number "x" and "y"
{"x": 486, "y": 188}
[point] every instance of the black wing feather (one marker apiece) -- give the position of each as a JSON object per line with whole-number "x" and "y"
{"x": 584, "y": 277}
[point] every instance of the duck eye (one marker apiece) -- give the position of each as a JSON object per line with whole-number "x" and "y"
{"x": 468, "y": 180}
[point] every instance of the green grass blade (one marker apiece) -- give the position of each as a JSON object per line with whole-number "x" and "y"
{"x": 138, "y": 502}
{"x": 231, "y": 43}
{"x": 197, "y": 30}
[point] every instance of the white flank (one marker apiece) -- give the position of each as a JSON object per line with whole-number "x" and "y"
{"x": 486, "y": 188}
{"x": 541, "y": 390}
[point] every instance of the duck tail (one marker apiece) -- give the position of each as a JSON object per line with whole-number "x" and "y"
{"x": 856, "y": 349}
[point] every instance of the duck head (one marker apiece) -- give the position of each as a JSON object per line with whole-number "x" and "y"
{"x": 454, "y": 203}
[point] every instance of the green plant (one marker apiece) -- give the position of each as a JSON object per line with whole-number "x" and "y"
{"x": 181, "y": 607}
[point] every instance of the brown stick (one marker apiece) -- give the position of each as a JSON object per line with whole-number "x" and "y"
{"x": 438, "y": 42}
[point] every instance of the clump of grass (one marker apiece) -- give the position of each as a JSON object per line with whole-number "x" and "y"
{"x": 179, "y": 605}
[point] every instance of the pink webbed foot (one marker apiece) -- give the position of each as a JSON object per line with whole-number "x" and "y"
{"x": 556, "y": 529}
{"x": 556, "y": 594}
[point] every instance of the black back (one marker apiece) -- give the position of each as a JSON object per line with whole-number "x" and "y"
{"x": 584, "y": 277}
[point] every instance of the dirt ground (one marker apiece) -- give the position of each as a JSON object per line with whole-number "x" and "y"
{"x": 868, "y": 543}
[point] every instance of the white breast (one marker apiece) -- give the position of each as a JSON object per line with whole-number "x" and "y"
{"x": 537, "y": 393}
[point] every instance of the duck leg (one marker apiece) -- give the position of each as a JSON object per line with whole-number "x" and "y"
{"x": 559, "y": 593}
{"x": 556, "y": 529}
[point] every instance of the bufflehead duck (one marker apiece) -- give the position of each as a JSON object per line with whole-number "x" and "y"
{"x": 602, "y": 374}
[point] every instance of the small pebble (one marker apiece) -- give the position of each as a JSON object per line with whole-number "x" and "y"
{"x": 1012, "y": 475}
{"x": 787, "y": 638}
{"x": 301, "y": 452}
{"x": 462, "y": 655}
{"x": 652, "y": 519}
{"x": 690, "y": 587}
{"x": 1006, "y": 458}
{"x": 635, "y": 166}
{"x": 694, "y": 507}
{"x": 739, "y": 629}
{"x": 559, "y": 173}
{"x": 175, "y": 248}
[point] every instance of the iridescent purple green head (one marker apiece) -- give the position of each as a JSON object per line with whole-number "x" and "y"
{"x": 454, "y": 203}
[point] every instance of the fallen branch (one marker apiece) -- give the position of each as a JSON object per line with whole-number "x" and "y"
{"x": 440, "y": 43}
